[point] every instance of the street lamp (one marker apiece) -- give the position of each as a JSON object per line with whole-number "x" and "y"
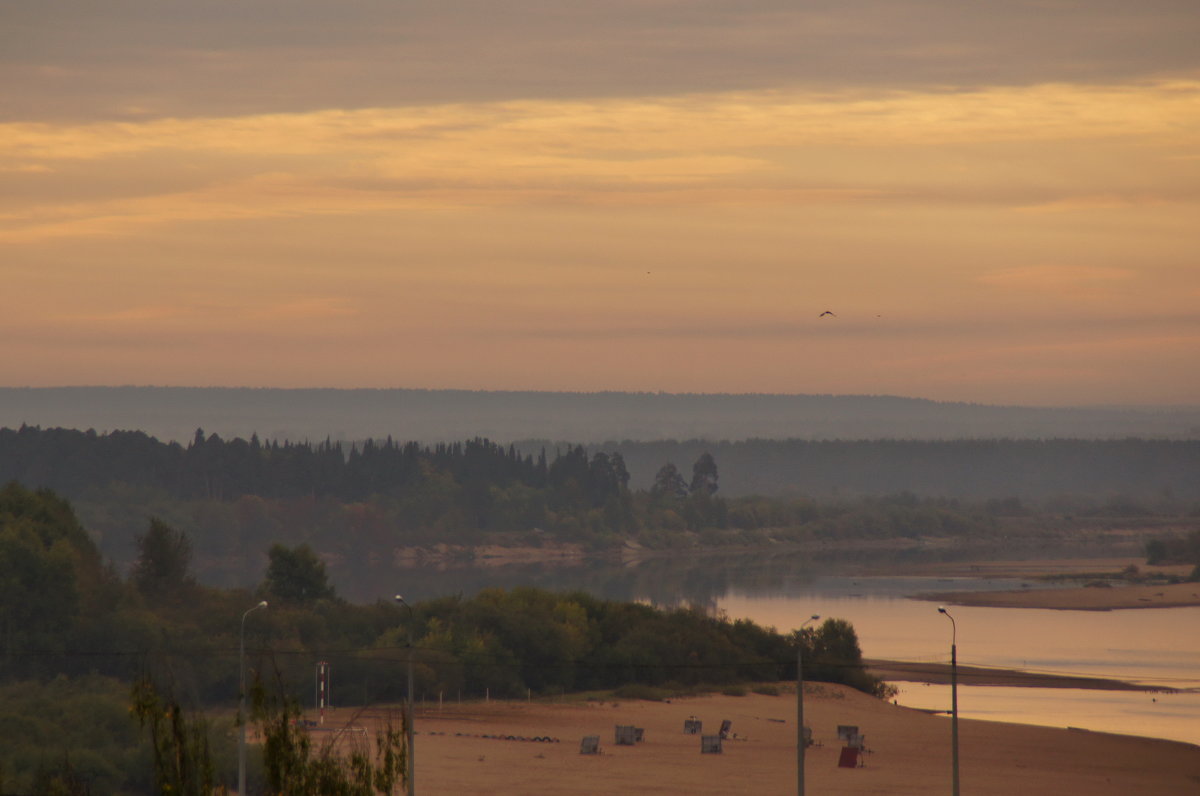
{"x": 953, "y": 694}
{"x": 409, "y": 778}
{"x": 242, "y": 705}
{"x": 801, "y": 744}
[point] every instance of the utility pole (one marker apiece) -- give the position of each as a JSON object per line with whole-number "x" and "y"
{"x": 801, "y": 743}
{"x": 953, "y": 696}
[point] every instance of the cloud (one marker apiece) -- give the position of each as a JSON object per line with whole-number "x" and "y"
{"x": 467, "y": 191}
{"x": 783, "y": 148}
{"x": 78, "y": 59}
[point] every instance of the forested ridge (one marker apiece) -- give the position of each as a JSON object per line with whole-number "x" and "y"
{"x": 211, "y": 467}
{"x": 360, "y": 503}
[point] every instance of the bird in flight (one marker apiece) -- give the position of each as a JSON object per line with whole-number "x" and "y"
{"x": 826, "y": 312}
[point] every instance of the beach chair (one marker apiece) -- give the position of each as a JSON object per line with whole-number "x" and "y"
{"x": 851, "y": 757}
{"x": 590, "y": 745}
{"x": 692, "y": 725}
{"x": 724, "y": 732}
{"x": 626, "y": 735}
{"x": 710, "y": 744}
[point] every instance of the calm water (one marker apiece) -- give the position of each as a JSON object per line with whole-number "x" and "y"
{"x": 1159, "y": 647}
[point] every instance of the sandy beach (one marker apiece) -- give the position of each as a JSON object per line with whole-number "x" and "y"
{"x": 909, "y": 750}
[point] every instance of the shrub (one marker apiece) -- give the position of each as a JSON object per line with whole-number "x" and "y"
{"x": 641, "y": 691}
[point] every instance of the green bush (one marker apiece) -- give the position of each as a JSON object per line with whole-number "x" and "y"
{"x": 647, "y": 693}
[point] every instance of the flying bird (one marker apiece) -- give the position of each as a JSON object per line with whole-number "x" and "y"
{"x": 826, "y": 312}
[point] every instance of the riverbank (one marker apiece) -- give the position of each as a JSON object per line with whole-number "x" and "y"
{"x": 477, "y": 748}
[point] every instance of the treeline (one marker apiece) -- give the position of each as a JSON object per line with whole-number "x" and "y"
{"x": 419, "y": 494}
{"x": 1146, "y": 472}
{"x": 1176, "y": 550}
{"x": 76, "y": 633}
{"x": 361, "y": 504}
{"x": 209, "y": 467}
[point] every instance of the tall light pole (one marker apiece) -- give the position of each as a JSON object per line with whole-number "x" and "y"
{"x": 801, "y": 743}
{"x": 953, "y": 695}
{"x": 242, "y": 704}
{"x": 410, "y": 774}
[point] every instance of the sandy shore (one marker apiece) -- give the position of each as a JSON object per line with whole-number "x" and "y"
{"x": 909, "y": 751}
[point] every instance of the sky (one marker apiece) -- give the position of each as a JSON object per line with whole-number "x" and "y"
{"x": 998, "y": 202}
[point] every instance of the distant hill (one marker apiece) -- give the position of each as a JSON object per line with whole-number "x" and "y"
{"x": 430, "y": 416}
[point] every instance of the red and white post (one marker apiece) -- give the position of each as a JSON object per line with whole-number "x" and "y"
{"x": 322, "y": 696}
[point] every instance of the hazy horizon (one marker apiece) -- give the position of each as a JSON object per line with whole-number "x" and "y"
{"x": 429, "y": 416}
{"x": 600, "y": 391}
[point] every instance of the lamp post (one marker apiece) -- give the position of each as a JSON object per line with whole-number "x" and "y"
{"x": 953, "y": 695}
{"x": 801, "y": 744}
{"x": 242, "y": 704}
{"x": 409, "y": 755}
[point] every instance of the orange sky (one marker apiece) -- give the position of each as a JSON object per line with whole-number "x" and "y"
{"x": 656, "y": 196}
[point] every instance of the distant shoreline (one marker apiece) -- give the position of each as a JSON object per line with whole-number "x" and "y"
{"x": 1115, "y": 598}
{"x": 1101, "y": 594}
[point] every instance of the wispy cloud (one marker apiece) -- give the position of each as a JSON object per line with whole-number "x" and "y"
{"x": 80, "y": 59}
{"x": 774, "y": 147}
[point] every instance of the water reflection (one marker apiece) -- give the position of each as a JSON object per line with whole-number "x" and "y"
{"x": 1153, "y": 646}
{"x": 1156, "y": 715}
{"x": 700, "y": 580}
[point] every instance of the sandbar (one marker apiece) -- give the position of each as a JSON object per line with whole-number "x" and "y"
{"x": 1110, "y": 598}
{"x": 939, "y": 674}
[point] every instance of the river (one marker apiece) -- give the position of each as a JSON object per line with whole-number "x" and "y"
{"x": 1156, "y": 647}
